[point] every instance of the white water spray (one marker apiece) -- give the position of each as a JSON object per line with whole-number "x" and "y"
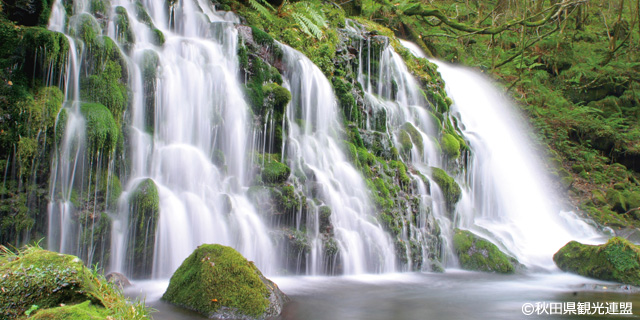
{"x": 313, "y": 147}
{"x": 507, "y": 197}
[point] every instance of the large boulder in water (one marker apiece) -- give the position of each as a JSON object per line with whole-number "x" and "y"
{"x": 617, "y": 260}
{"x": 478, "y": 254}
{"x": 219, "y": 282}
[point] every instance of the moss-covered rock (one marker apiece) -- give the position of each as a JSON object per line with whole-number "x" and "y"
{"x": 143, "y": 222}
{"x": 217, "y": 281}
{"x": 478, "y": 254}
{"x": 124, "y": 33}
{"x": 450, "y": 145}
{"x": 275, "y": 172}
{"x": 102, "y": 130}
{"x": 85, "y": 311}
{"x": 617, "y": 260}
{"x": 448, "y": 185}
{"x": 37, "y": 282}
{"x": 43, "y": 278}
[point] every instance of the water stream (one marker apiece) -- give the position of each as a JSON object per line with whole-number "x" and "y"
{"x": 187, "y": 107}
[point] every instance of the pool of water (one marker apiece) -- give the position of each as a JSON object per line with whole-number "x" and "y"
{"x": 452, "y": 295}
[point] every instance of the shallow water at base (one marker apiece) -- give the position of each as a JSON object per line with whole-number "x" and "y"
{"x": 451, "y": 295}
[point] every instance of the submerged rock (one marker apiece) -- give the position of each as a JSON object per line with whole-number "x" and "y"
{"x": 478, "y": 254}
{"x": 219, "y": 282}
{"x": 617, "y": 260}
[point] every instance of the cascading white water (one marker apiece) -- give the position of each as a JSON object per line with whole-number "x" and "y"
{"x": 197, "y": 110}
{"x": 313, "y": 149}
{"x": 507, "y": 197}
{"x": 393, "y": 91}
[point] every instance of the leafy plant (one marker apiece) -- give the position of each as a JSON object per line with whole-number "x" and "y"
{"x": 311, "y": 20}
{"x": 263, "y": 8}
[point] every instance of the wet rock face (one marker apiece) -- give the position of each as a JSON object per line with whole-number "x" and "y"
{"x": 218, "y": 282}
{"x": 478, "y": 254}
{"x": 617, "y": 260}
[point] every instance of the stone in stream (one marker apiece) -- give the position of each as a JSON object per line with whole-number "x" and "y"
{"x": 617, "y": 260}
{"x": 218, "y": 282}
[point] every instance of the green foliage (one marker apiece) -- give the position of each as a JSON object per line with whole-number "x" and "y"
{"x": 478, "y": 254}
{"x": 106, "y": 88}
{"x": 278, "y": 96}
{"x": 450, "y": 145}
{"x": 143, "y": 221}
{"x": 263, "y": 8}
{"x": 102, "y": 130}
{"x": 215, "y": 276}
{"x": 310, "y": 19}
{"x": 124, "y": 33}
{"x": 448, "y": 185}
{"x": 36, "y": 277}
{"x": 617, "y": 260}
{"x": 285, "y": 28}
{"x": 275, "y": 172}
{"x": 84, "y": 310}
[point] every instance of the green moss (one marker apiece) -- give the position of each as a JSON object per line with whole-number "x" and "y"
{"x": 448, "y": 185}
{"x": 106, "y": 88}
{"x": 215, "y": 276}
{"x": 617, "y": 260}
{"x": 478, "y": 254}
{"x": 616, "y": 200}
{"x": 261, "y": 37}
{"x": 275, "y": 172}
{"x": 143, "y": 221}
{"x": 100, "y": 7}
{"x": 415, "y": 136}
{"x": 36, "y": 277}
{"x": 450, "y": 146}
{"x": 277, "y": 95}
{"x": 124, "y": 33}
{"x": 102, "y": 130}
{"x": 43, "y": 278}
{"x": 84, "y": 310}
{"x": 365, "y": 158}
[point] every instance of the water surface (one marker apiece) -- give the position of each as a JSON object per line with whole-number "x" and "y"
{"x": 452, "y": 295}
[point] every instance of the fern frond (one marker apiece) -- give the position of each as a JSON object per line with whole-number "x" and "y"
{"x": 263, "y": 8}
{"x": 298, "y": 18}
{"x": 315, "y": 30}
{"x": 317, "y": 16}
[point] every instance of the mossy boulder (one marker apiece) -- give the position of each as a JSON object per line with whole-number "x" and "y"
{"x": 450, "y": 146}
{"x": 143, "y": 222}
{"x": 124, "y": 32}
{"x": 617, "y": 260}
{"x": 450, "y": 188}
{"x": 275, "y": 172}
{"x": 43, "y": 278}
{"x": 410, "y": 136}
{"x": 219, "y": 282}
{"x": 102, "y": 130}
{"x": 478, "y": 254}
{"x": 84, "y": 311}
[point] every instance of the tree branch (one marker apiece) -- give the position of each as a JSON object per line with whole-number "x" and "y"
{"x": 552, "y": 13}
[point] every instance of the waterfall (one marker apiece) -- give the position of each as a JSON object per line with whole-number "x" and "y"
{"x": 507, "y": 198}
{"x": 186, "y": 106}
{"x": 314, "y": 150}
{"x": 392, "y": 93}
